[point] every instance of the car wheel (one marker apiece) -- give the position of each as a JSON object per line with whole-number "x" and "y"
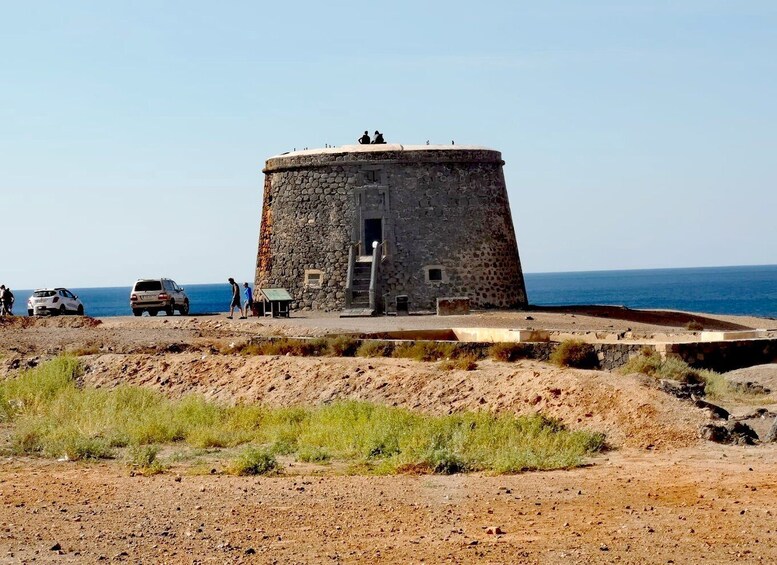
{"x": 137, "y": 311}
{"x": 153, "y": 312}
{"x": 185, "y": 308}
{"x": 62, "y": 310}
{"x": 80, "y": 310}
{"x": 170, "y": 310}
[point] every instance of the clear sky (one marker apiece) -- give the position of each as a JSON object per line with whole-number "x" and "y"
{"x": 637, "y": 134}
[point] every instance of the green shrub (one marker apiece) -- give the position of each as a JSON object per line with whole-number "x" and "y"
{"x": 142, "y": 456}
{"x": 342, "y": 346}
{"x": 575, "y": 353}
{"x": 509, "y": 352}
{"x": 649, "y": 362}
{"x": 426, "y": 350}
{"x": 466, "y": 363}
{"x": 373, "y": 348}
{"x": 694, "y": 325}
{"x": 312, "y": 454}
{"x": 254, "y": 461}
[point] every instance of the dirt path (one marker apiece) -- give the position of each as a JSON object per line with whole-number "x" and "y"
{"x": 704, "y": 504}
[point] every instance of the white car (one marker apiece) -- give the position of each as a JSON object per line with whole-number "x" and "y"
{"x": 54, "y": 301}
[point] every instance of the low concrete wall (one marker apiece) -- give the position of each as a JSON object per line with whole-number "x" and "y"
{"x": 722, "y": 356}
{"x": 504, "y": 335}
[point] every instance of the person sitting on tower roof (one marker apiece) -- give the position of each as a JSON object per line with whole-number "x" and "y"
{"x": 365, "y": 139}
{"x": 378, "y": 138}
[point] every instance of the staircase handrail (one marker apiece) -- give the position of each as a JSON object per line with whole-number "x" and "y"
{"x": 376, "y": 252}
{"x": 349, "y": 273}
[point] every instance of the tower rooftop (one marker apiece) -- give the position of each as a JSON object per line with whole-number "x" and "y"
{"x": 379, "y": 148}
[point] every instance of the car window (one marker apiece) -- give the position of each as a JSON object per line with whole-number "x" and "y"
{"x": 62, "y": 293}
{"x": 141, "y": 286}
{"x": 43, "y": 293}
{"x": 69, "y": 294}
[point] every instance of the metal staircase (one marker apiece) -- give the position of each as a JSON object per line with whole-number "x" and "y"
{"x": 361, "y": 287}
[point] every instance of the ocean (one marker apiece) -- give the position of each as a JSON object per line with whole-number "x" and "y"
{"x": 750, "y": 290}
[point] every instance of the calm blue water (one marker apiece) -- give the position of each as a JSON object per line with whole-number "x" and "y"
{"x": 717, "y": 290}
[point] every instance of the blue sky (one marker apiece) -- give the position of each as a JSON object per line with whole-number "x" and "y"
{"x": 133, "y": 134}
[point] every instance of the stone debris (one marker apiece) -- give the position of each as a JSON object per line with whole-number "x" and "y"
{"x": 735, "y": 433}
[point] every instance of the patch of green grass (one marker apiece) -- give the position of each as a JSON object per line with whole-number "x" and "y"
{"x": 254, "y": 461}
{"x": 373, "y": 348}
{"x": 143, "y": 459}
{"x": 426, "y": 350}
{"x": 649, "y": 362}
{"x": 575, "y": 353}
{"x": 56, "y": 418}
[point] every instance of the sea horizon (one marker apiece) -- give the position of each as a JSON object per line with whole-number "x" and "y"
{"x": 731, "y": 289}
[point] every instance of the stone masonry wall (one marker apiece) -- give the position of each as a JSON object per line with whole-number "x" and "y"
{"x": 441, "y": 209}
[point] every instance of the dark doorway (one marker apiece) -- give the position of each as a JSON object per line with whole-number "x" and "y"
{"x": 373, "y": 231}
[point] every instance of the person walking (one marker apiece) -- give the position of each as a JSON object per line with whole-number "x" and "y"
{"x": 249, "y": 303}
{"x": 6, "y": 301}
{"x": 235, "y": 303}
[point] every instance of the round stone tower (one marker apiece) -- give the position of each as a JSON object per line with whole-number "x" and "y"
{"x": 359, "y": 226}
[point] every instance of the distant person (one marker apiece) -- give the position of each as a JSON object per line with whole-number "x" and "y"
{"x": 6, "y": 300}
{"x": 249, "y": 304}
{"x": 235, "y": 303}
{"x": 378, "y": 138}
{"x": 365, "y": 139}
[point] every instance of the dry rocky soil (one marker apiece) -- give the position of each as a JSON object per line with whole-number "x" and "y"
{"x": 658, "y": 495}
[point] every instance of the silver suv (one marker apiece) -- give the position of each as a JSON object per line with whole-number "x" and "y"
{"x": 156, "y": 295}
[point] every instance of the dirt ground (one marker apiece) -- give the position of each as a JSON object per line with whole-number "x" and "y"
{"x": 659, "y": 495}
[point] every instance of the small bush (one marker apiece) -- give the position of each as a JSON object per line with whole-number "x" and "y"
{"x": 575, "y": 353}
{"x": 310, "y": 454}
{"x": 342, "y": 346}
{"x": 466, "y": 363}
{"x": 142, "y": 455}
{"x": 649, "y": 362}
{"x": 375, "y": 349}
{"x": 254, "y": 461}
{"x": 509, "y": 352}
{"x": 77, "y": 447}
{"x": 694, "y": 325}
{"x": 426, "y": 350}
{"x": 143, "y": 458}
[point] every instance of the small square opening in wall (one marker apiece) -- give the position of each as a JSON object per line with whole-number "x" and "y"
{"x": 314, "y": 278}
{"x": 435, "y": 274}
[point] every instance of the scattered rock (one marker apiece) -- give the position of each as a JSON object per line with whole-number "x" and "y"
{"x": 494, "y": 530}
{"x": 771, "y": 435}
{"x": 714, "y": 410}
{"x": 683, "y": 391}
{"x": 56, "y": 547}
{"x": 735, "y": 433}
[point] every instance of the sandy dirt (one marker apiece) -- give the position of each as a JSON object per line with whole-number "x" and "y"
{"x": 659, "y": 495}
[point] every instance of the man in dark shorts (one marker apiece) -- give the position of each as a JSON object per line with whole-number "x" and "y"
{"x": 235, "y": 299}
